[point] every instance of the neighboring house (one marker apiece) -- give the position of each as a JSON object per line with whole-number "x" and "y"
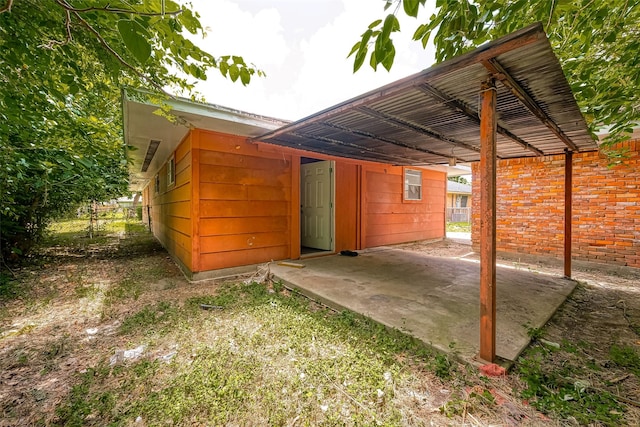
{"x": 458, "y": 202}
{"x": 217, "y": 200}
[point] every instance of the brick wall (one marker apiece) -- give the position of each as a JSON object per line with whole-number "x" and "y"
{"x": 530, "y": 206}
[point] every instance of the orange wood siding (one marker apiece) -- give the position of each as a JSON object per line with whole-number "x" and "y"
{"x": 244, "y": 203}
{"x": 346, "y": 206}
{"x": 170, "y": 206}
{"x": 236, "y": 203}
{"x": 388, "y": 219}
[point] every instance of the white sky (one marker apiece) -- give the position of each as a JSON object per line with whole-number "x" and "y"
{"x": 302, "y": 45}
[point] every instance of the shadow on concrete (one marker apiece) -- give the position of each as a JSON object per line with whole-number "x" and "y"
{"x": 435, "y": 299}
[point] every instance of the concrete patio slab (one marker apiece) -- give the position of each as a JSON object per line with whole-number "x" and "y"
{"x": 435, "y": 299}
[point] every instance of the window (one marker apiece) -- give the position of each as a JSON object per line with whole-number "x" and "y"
{"x": 412, "y": 184}
{"x": 171, "y": 171}
{"x": 157, "y": 184}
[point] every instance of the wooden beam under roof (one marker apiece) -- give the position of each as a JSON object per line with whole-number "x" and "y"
{"x": 461, "y": 107}
{"x": 387, "y": 140}
{"x": 415, "y": 127}
{"x": 361, "y": 148}
{"x": 498, "y": 71}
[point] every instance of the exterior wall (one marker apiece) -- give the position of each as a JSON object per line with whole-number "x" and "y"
{"x": 454, "y": 199}
{"x": 245, "y": 203}
{"x": 388, "y": 219}
{"x": 530, "y": 207}
{"x": 237, "y": 203}
{"x": 170, "y": 206}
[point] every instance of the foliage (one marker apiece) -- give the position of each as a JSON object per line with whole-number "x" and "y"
{"x": 460, "y": 179}
{"x": 62, "y": 63}
{"x": 626, "y": 357}
{"x": 149, "y": 318}
{"x": 459, "y": 227}
{"x": 596, "y": 42}
{"x": 264, "y": 358}
{"x": 552, "y": 392}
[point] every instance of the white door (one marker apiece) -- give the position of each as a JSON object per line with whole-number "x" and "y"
{"x": 316, "y": 205}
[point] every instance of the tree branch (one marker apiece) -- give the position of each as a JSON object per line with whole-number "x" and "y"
{"x": 115, "y": 54}
{"x": 110, "y": 9}
{"x": 7, "y": 6}
{"x": 67, "y": 22}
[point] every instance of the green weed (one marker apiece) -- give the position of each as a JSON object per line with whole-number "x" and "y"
{"x": 84, "y": 404}
{"x": 151, "y": 318}
{"x": 442, "y": 366}
{"x": 551, "y": 391}
{"x": 10, "y": 288}
{"x": 123, "y": 290}
{"x": 215, "y": 388}
{"x": 461, "y": 227}
{"x": 88, "y": 291}
{"x": 475, "y": 400}
{"x": 533, "y": 333}
{"x": 234, "y": 295}
{"x": 626, "y": 357}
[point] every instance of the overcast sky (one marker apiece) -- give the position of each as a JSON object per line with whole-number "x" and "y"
{"x": 302, "y": 45}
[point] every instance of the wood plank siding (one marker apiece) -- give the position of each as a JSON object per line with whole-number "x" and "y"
{"x": 238, "y": 203}
{"x": 389, "y": 219}
{"x": 170, "y": 206}
{"x": 245, "y": 203}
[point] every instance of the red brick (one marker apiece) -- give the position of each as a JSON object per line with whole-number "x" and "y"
{"x": 530, "y": 206}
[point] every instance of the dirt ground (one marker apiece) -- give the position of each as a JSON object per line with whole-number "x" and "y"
{"x": 602, "y": 313}
{"x": 56, "y": 330}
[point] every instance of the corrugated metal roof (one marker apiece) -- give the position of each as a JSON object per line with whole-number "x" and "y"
{"x": 432, "y": 116}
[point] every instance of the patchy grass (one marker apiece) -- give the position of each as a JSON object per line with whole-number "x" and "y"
{"x": 265, "y": 357}
{"x": 259, "y": 355}
{"x": 462, "y": 227}
{"x": 585, "y": 371}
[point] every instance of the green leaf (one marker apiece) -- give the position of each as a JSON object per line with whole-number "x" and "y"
{"x": 375, "y": 24}
{"x": 234, "y": 72}
{"x": 223, "y": 67}
{"x": 373, "y": 62}
{"x": 391, "y": 24}
{"x": 390, "y": 54}
{"x": 420, "y": 32}
{"x": 189, "y": 21}
{"x": 411, "y": 7}
{"x": 132, "y": 34}
{"x": 355, "y": 48}
{"x": 360, "y": 57}
{"x": 245, "y": 77}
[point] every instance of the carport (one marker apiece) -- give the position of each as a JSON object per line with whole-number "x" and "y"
{"x": 507, "y": 99}
{"x": 433, "y": 298}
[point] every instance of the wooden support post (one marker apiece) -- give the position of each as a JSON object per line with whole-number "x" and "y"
{"x": 488, "y": 127}
{"x": 568, "y": 205}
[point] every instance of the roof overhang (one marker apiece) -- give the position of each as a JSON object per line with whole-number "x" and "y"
{"x": 432, "y": 117}
{"x": 146, "y": 125}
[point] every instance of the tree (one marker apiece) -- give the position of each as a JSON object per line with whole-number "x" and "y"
{"x": 459, "y": 179}
{"x": 597, "y": 43}
{"x": 62, "y": 63}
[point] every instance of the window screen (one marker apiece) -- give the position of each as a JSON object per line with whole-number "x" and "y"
{"x": 412, "y": 184}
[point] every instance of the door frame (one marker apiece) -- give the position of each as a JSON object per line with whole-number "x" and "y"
{"x": 332, "y": 205}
